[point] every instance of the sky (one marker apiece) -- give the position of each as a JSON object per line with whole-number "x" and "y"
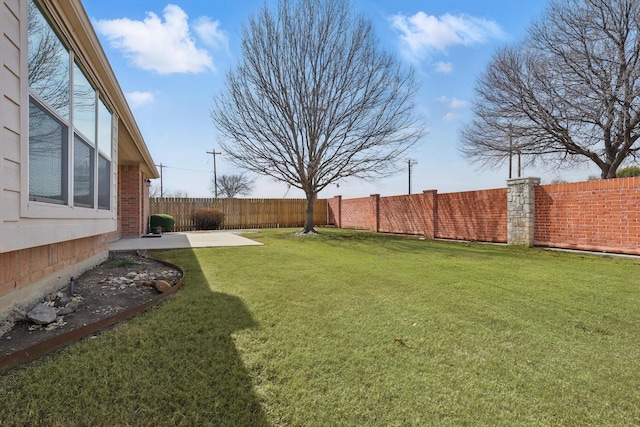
{"x": 171, "y": 60}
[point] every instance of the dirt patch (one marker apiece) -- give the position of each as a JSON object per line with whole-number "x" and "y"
{"x": 125, "y": 281}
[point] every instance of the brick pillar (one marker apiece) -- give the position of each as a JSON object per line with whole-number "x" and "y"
{"x": 337, "y": 213}
{"x": 131, "y": 203}
{"x": 146, "y": 205}
{"x": 430, "y": 206}
{"x": 375, "y": 212}
{"x": 521, "y": 210}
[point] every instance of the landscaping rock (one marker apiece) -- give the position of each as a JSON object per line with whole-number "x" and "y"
{"x": 62, "y": 299}
{"x": 162, "y": 286}
{"x": 18, "y": 314}
{"x": 69, "y": 308}
{"x": 64, "y": 311}
{"x": 42, "y": 314}
{"x": 6, "y": 326}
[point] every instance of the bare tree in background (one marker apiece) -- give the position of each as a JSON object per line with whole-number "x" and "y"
{"x": 234, "y": 185}
{"x": 48, "y": 61}
{"x": 569, "y": 94}
{"x": 315, "y": 99}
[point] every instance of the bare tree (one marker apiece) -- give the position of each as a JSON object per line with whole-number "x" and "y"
{"x": 48, "y": 61}
{"x": 568, "y": 94}
{"x": 315, "y": 99}
{"x": 177, "y": 194}
{"x": 234, "y": 185}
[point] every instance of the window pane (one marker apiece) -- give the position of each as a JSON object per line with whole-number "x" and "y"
{"x": 104, "y": 173}
{"x": 82, "y": 173}
{"x": 47, "y": 156}
{"x": 48, "y": 63}
{"x": 104, "y": 130}
{"x": 84, "y": 105}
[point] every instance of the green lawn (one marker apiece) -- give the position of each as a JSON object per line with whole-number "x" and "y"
{"x": 352, "y": 328}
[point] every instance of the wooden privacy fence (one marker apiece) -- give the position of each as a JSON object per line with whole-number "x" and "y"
{"x": 241, "y": 213}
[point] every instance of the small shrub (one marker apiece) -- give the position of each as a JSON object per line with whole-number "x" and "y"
{"x": 629, "y": 171}
{"x": 207, "y": 219}
{"x": 163, "y": 221}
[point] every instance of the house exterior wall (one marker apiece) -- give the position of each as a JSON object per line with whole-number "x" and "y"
{"x": 28, "y": 274}
{"x": 43, "y": 244}
{"x": 23, "y": 223}
{"x": 11, "y": 97}
{"x": 133, "y": 200}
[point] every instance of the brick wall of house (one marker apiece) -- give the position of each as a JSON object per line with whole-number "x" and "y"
{"x": 23, "y": 267}
{"x": 600, "y": 215}
{"x": 133, "y": 201}
{"x": 473, "y": 215}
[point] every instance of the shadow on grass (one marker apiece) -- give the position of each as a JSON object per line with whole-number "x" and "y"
{"x": 367, "y": 241}
{"x": 175, "y": 365}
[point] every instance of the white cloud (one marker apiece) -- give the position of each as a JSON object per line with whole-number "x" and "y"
{"x": 138, "y": 99}
{"x": 424, "y": 33}
{"x": 453, "y": 103}
{"x": 449, "y": 116}
{"x": 165, "y": 47}
{"x": 210, "y": 33}
{"x": 443, "y": 67}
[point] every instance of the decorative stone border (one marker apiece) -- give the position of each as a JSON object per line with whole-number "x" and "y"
{"x": 37, "y": 350}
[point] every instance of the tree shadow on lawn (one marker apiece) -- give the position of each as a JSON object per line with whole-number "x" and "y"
{"x": 367, "y": 241}
{"x": 175, "y": 365}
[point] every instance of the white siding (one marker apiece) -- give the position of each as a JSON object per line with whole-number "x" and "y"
{"x": 25, "y": 224}
{"x": 10, "y": 123}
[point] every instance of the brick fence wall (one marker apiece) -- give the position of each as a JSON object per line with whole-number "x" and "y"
{"x": 473, "y": 215}
{"x": 403, "y": 214}
{"x": 602, "y": 215}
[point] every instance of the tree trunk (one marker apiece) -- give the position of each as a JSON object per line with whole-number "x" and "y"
{"x": 308, "y": 218}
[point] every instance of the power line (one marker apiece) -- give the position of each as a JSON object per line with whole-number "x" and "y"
{"x": 188, "y": 170}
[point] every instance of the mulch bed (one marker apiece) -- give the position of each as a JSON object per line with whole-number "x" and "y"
{"x": 111, "y": 292}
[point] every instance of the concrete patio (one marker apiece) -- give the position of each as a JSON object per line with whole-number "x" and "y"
{"x": 194, "y": 239}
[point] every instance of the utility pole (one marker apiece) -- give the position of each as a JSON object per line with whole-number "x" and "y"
{"x": 510, "y": 150}
{"x": 410, "y": 163}
{"x": 161, "y": 187}
{"x": 215, "y": 175}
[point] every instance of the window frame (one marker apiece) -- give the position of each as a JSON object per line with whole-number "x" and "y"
{"x": 64, "y": 148}
{"x": 41, "y": 207}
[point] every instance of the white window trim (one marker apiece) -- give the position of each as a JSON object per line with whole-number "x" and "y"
{"x": 43, "y": 210}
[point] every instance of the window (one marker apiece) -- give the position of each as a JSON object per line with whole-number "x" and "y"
{"x": 48, "y": 63}
{"x": 70, "y": 127}
{"x": 47, "y": 156}
{"x": 82, "y": 173}
{"x": 104, "y": 193}
{"x": 104, "y": 156}
{"x": 84, "y": 105}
